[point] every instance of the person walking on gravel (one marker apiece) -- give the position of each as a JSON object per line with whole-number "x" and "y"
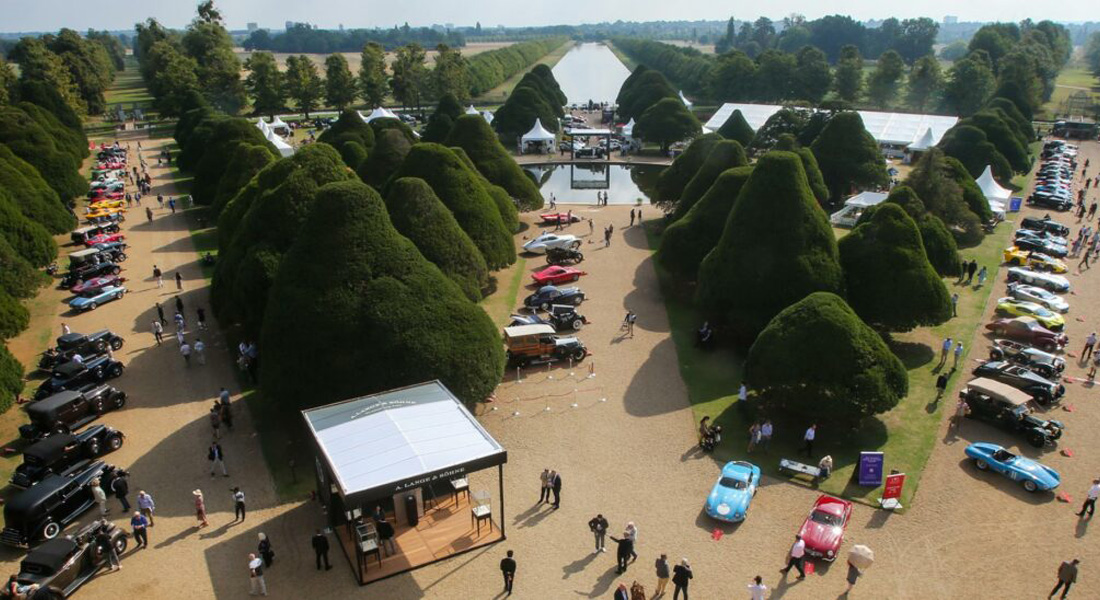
{"x": 200, "y": 508}
{"x": 238, "y": 505}
{"x": 200, "y": 351}
{"x": 146, "y": 506}
{"x": 159, "y": 276}
{"x": 555, "y": 484}
{"x": 216, "y": 458}
{"x": 121, "y": 488}
{"x": 508, "y": 570}
{"x": 1090, "y": 343}
{"x": 1067, "y": 576}
{"x": 1090, "y": 499}
{"x": 757, "y": 589}
{"x": 663, "y": 575}
{"x": 160, "y": 314}
{"x": 681, "y": 577}
{"x": 320, "y": 548}
{"x": 598, "y": 526}
{"x": 179, "y": 281}
{"x": 100, "y": 497}
{"x": 256, "y": 583}
{"x": 185, "y": 351}
{"x": 795, "y": 557}
{"x": 158, "y": 332}
{"x": 140, "y": 524}
{"x": 544, "y": 492}
{"x": 808, "y": 440}
{"x": 623, "y": 552}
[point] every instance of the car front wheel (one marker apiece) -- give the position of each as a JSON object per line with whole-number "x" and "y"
{"x": 51, "y": 530}
{"x": 92, "y": 306}
{"x": 579, "y": 354}
{"x": 114, "y": 442}
{"x": 116, "y": 370}
{"x": 981, "y": 464}
{"x": 577, "y": 324}
{"x": 120, "y": 544}
{"x": 1030, "y": 485}
{"x": 116, "y": 344}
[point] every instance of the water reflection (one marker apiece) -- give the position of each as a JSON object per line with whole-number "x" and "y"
{"x": 578, "y": 184}
{"x": 590, "y": 72}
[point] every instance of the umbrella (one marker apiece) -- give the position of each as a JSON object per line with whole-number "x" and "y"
{"x": 861, "y": 556}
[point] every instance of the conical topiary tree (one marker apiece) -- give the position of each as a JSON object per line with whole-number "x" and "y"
{"x": 247, "y": 161}
{"x": 30, "y": 240}
{"x": 546, "y": 74}
{"x": 777, "y": 247}
{"x": 36, "y": 199}
{"x": 974, "y": 150}
{"x": 628, "y": 84}
{"x": 261, "y": 223}
{"x": 939, "y": 244}
{"x": 438, "y": 128}
{"x": 890, "y": 283}
{"x": 686, "y": 242}
{"x": 509, "y": 214}
{"x": 473, "y": 134}
{"x": 461, "y": 190}
{"x": 737, "y": 128}
{"x": 848, "y": 156}
{"x": 25, "y": 138}
{"x": 419, "y": 215}
{"x": 972, "y": 195}
{"x": 353, "y": 154}
{"x": 724, "y": 155}
{"x": 349, "y": 126}
{"x": 356, "y": 309}
{"x": 390, "y": 149}
{"x": 817, "y": 362}
{"x": 388, "y": 123}
{"x": 517, "y": 116}
{"x": 672, "y": 181}
{"x": 650, "y": 88}
{"x": 14, "y": 317}
{"x": 813, "y": 175}
{"x": 225, "y": 140}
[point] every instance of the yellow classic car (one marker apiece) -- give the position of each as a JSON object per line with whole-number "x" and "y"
{"x": 96, "y": 212}
{"x": 1019, "y": 308}
{"x": 98, "y": 204}
{"x": 1034, "y": 260}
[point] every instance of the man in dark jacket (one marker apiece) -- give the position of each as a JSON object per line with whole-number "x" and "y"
{"x": 508, "y": 569}
{"x": 681, "y": 575}
{"x": 598, "y": 525}
{"x": 621, "y": 593}
{"x": 320, "y": 548}
{"x": 121, "y": 487}
{"x": 556, "y": 482}
{"x": 1067, "y": 576}
{"x": 622, "y": 554}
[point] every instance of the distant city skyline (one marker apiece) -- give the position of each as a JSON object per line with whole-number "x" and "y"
{"x": 50, "y": 15}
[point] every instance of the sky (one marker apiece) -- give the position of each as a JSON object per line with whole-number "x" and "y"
{"x": 50, "y": 15}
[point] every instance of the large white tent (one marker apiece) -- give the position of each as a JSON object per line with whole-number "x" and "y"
{"x": 538, "y": 138}
{"x": 379, "y": 113}
{"x": 470, "y": 110}
{"x": 262, "y": 126}
{"x": 989, "y": 186}
{"x": 284, "y": 148}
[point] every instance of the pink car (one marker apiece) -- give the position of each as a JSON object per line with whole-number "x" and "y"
{"x": 823, "y": 530}
{"x": 556, "y": 274}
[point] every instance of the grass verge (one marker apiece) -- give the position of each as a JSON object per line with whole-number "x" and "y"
{"x": 906, "y": 435}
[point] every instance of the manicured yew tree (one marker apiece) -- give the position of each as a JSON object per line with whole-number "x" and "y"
{"x": 939, "y": 244}
{"x": 390, "y": 148}
{"x": 777, "y": 247}
{"x": 974, "y": 150}
{"x": 1002, "y": 136}
{"x": 848, "y": 156}
{"x": 450, "y": 106}
{"x": 419, "y": 215}
{"x": 29, "y": 141}
{"x": 247, "y": 161}
{"x": 649, "y": 89}
{"x": 686, "y": 242}
{"x": 627, "y": 87}
{"x": 548, "y": 92}
{"x": 473, "y": 134}
{"x": 356, "y": 309}
{"x": 353, "y": 154}
{"x": 1013, "y": 112}
{"x": 972, "y": 195}
{"x": 386, "y": 124}
{"x": 30, "y": 240}
{"x": 191, "y": 118}
{"x": 672, "y": 181}
{"x": 46, "y": 95}
{"x": 517, "y": 116}
{"x": 667, "y": 122}
{"x": 546, "y": 74}
{"x": 890, "y": 283}
{"x": 737, "y": 128}
{"x": 818, "y": 362}
{"x": 438, "y": 128}
{"x": 461, "y": 190}
{"x": 35, "y": 198}
{"x": 725, "y": 155}
{"x": 70, "y": 141}
{"x": 813, "y": 175}
{"x": 11, "y": 378}
{"x": 261, "y": 223}
{"x": 349, "y": 126}
{"x": 226, "y": 140}
{"x": 14, "y": 317}
{"x": 938, "y": 187}
{"x": 509, "y": 214}
{"x": 17, "y": 276}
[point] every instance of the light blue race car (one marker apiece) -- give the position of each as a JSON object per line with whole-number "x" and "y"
{"x": 1032, "y": 475}
{"x": 94, "y": 299}
{"x": 732, "y": 493}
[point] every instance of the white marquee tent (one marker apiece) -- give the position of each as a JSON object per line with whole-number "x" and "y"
{"x": 262, "y": 126}
{"x": 992, "y": 190}
{"x": 686, "y": 102}
{"x": 284, "y": 148}
{"x": 470, "y": 110}
{"x": 379, "y": 113}
{"x": 538, "y": 136}
{"x": 277, "y": 124}
{"x": 488, "y": 116}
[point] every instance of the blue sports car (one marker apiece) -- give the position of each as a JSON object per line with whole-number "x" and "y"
{"x": 94, "y": 299}
{"x": 1032, "y": 475}
{"x": 732, "y": 493}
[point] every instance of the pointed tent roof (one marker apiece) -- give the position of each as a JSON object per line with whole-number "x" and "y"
{"x": 686, "y": 102}
{"x": 926, "y": 141}
{"x": 628, "y": 129}
{"x": 538, "y": 133}
{"x": 263, "y": 126}
{"x": 992, "y": 190}
{"x": 379, "y": 113}
{"x": 277, "y": 122}
{"x": 470, "y": 110}
{"x": 284, "y": 148}
{"x": 488, "y": 116}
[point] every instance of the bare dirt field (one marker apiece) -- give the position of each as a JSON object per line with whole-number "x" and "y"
{"x": 627, "y": 450}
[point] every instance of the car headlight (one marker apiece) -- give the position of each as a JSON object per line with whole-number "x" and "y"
{"x": 723, "y": 509}
{"x": 829, "y": 553}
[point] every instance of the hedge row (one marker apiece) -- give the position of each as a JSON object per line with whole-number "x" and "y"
{"x": 490, "y": 69}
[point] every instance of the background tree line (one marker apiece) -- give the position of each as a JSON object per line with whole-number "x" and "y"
{"x": 910, "y": 38}
{"x": 308, "y": 39}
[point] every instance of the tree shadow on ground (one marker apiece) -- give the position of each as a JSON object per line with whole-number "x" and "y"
{"x": 912, "y": 354}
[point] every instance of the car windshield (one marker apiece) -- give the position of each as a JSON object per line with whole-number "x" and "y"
{"x": 825, "y": 518}
{"x": 733, "y": 484}
{"x": 1003, "y": 455}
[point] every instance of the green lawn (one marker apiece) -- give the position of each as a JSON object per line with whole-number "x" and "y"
{"x": 128, "y": 88}
{"x": 1074, "y": 75}
{"x": 906, "y": 435}
{"x": 501, "y": 92}
{"x": 501, "y": 302}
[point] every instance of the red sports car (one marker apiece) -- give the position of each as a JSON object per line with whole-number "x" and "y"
{"x": 96, "y": 283}
{"x": 564, "y": 218}
{"x": 104, "y": 238}
{"x": 1030, "y": 332}
{"x": 101, "y": 194}
{"x": 823, "y": 530}
{"x": 111, "y": 165}
{"x": 556, "y": 274}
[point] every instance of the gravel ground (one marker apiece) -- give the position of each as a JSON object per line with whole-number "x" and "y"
{"x": 631, "y": 457}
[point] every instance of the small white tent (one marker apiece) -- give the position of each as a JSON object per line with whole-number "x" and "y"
{"x": 262, "y": 126}
{"x": 284, "y": 148}
{"x": 277, "y": 124}
{"x": 488, "y": 116}
{"x": 537, "y": 139}
{"x": 992, "y": 190}
{"x": 686, "y": 102}
{"x": 628, "y": 129}
{"x": 379, "y": 113}
{"x": 925, "y": 142}
{"x": 470, "y": 110}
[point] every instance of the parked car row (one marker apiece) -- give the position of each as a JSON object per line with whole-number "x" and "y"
{"x": 1054, "y": 180}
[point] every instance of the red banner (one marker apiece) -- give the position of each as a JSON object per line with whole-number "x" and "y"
{"x": 894, "y": 483}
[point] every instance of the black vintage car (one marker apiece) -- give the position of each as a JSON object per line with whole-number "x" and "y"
{"x": 79, "y": 343}
{"x": 1047, "y": 247}
{"x": 66, "y": 411}
{"x": 88, "y": 271}
{"x": 548, "y": 295}
{"x": 42, "y": 511}
{"x": 1044, "y": 224}
{"x": 561, "y": 317}
{"x": 74, "y": 374}
{"x": 1044, "y": 363}
{"x": 1006, "y": 407}
{"x": 62, "y": 565}
{"x": 82, "y": 235}
{"x": 563, "y": 256}
{"x": 63, "y": 451}
{"x": 1042, "y": 390}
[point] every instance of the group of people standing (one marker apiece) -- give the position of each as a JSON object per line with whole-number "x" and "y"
{"x": 550, "y": 483}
